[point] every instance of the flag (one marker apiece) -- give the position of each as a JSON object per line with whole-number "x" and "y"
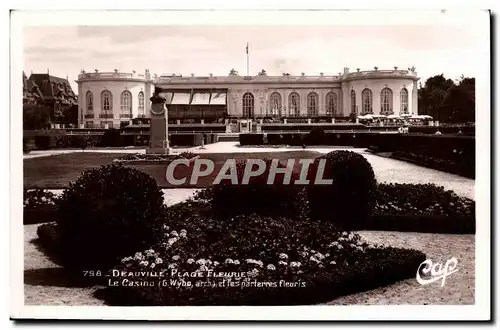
{"x": 247, "y": 48}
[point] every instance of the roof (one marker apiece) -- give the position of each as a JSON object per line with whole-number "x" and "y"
{"x": 52, "y": 88}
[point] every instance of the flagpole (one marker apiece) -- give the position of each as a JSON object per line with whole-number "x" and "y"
{"x": 248, "y": 71}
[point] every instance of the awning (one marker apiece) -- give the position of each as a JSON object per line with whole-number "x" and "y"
{"x": 181, "y": 98}
{"x": 168, "y": 97}
{"x": 201, "y": 98}
{"x": 218, "y": 99}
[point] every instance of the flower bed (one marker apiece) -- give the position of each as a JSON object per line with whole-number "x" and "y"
{"x": 420, "y": 200}
{"x": 39, "y": 206}
{"x": 139, "y": 159}
{"x": 253, "y": 260}
{"x": 38, "y": 198}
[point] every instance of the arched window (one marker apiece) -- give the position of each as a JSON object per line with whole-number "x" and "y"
{"x": 312, "y": 104}
{"x": 275, "y": 104}
{"x": 354, "y": 108}
{"x": 367, "y": 101}
{"x": 248, "y": 105}
{"x": 90, "y": 102}
{"x": 386, "y": 101}
{"x": 294, "y": 104}
{"x": 404, "y": 101}
{"x": 331, "y": 104}
{"x": 140, "y": 102}
{"x": 126, "y": 104}
{"x": 106, "y": 102}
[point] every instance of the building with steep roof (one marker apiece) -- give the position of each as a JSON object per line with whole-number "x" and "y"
{"x": 56, "y": 92}
{"x": 31, "y": 92}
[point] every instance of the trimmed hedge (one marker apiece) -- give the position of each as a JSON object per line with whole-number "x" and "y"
{"x": 348, "y": 200}
{"x": 251, "y": 139}
{"x": 186, "y": 139}
{"x": 45, "y": 142}
{"x": 422, "y": 224}
{"x": 111, "y": 138}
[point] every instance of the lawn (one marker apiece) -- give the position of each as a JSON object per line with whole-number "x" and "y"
{"x": 56, "y": 172}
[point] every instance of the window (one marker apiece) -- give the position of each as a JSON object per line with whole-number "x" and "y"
{"x": 106, "y": 102}
{"x": 275, "y": 104}
{"x": 90, "y": 102}
{"x": 294, "y": 104}
{"x": 106, "y": 123}
{"x": 312, "y": 104}
{"x": 404, "y": 101}
{"x": 331, "y": 104}
{"x": 248, "y": 105}
{"x": 354, "y": 108}
{"x": 367, "y": 101}
{"x": 126, "y": 104}
{"x": 140, "y": 99}
{"x": 89, "y": 124}
{"x": 386, "y": 101}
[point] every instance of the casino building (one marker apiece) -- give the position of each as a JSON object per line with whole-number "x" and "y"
{"x": 110, "y": 98}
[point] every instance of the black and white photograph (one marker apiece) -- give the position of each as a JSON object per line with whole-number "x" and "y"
{"x": 250, "y": 165}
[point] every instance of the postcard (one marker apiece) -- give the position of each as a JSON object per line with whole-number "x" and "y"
{"x": 250, "y": 165}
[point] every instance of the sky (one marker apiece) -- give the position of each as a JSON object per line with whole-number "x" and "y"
{"x": 432, "y": 49}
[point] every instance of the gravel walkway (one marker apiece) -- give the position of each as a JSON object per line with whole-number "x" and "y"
{"x": 44, "y": 281}
{"x": 458, "y": 288}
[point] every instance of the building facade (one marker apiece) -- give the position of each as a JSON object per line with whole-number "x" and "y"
{"x": 110, "y": 98}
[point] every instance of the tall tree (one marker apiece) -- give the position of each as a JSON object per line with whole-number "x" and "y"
{"x": 36, "y": 116}
{"x": 459, "y": 103}
{"x": 432, "y": 94}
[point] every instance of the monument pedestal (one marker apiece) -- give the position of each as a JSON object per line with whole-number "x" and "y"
{"x": 158, "y": 132}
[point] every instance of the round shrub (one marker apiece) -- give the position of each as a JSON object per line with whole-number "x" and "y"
{"x": 257, "y": 196}
{"x": 348, "y": 201}
{"x": 108, "y": 213}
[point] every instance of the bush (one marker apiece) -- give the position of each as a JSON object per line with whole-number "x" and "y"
{"x": 251, "y": 139}
{"x": 317, "y": 136}
{"x": 348, "y": 201}
{"x": 48, "y": 236}
{"x": 44, "y": 142}
{"x": 108, "y": 213}
{"x": 257, "y": 196}
{"x": 322, "y": 262}
{"x": 111, "y": 138}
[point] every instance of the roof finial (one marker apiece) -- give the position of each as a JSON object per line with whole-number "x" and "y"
{"x": 48, "y": 71}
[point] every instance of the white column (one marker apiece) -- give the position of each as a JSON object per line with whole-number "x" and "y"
{"x": 396, "y": 105}
{"x": 410, "y": 99}
{"x": 82, "y": 100}
{"x": 414, "y": 99}
{"x": 358, "y": 100}
{"x": 303, "y": 102}
{"x": 376, "y": 101}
